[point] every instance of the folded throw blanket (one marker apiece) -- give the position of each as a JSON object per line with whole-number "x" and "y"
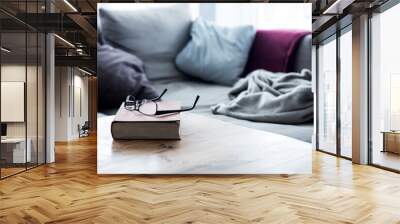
{"x": 120, "y": 74}
{"x": 271, "y": 97}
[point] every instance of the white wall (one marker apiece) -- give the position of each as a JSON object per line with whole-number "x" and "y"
{"x": 62, "y": 81}
{"x": 13, "y": 100}
{"x": 80, "y": 110}
{"x": 71, "y": 87}
{"x": 15, "y": 72}
{"x": 34, "y": 125}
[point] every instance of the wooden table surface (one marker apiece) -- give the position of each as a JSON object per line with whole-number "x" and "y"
{"x": 207, "y": 146}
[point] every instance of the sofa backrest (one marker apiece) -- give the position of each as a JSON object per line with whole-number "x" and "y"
{"x": 301, "y": 58}
{"x": 154, "y": 33}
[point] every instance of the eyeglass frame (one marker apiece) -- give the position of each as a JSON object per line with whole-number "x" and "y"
{"x": 138, "y": 103}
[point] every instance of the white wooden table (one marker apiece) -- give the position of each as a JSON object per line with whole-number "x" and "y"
{"x": 208, "y": 146}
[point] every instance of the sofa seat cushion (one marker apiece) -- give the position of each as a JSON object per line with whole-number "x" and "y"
{"x": 185, "y": 91}
{"x": 210, "y": 94}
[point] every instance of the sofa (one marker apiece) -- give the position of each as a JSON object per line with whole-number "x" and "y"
{"x": 185, "y": 88}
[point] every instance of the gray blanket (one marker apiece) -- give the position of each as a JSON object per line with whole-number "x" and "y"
{"x": 270, "y": 97}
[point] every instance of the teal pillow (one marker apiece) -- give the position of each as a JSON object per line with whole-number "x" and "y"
{"x": 216, "y": 54}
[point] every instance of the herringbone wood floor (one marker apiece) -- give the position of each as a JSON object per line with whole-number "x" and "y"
{"x": 70, "y": 191}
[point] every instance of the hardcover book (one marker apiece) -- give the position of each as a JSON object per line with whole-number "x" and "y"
{"x": 133, "y": 125}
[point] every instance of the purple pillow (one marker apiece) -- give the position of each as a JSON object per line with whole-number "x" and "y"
{"x": 272, "y": 49}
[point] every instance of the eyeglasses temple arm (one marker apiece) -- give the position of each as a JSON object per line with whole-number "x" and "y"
{"x": 161, "y": 95}
{"x": 161, "y": 112}
{"x": 194, "y": 104}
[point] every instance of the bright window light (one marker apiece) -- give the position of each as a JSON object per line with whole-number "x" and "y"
{"x": 261, "y": 15}
{"x": 265, "y": 15}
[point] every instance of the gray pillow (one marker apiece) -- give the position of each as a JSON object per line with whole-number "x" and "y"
{"x": 154, "y": 34}
{"x": 216, "y": 54}
{"x": 120, "y": 74}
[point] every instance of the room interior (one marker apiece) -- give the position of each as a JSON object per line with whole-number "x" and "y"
{"x": 25, "y": 69}
{"x": 117, "y": 158}
{"x": 22, "y": 101}
{"x": 335, "y": 61}
{"x": 355, "y": 157}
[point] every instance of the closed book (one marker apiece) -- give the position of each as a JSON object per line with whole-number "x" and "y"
{"x": 133, "y": 125}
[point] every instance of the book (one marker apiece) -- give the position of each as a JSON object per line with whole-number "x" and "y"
{"x": 133, "y": 125}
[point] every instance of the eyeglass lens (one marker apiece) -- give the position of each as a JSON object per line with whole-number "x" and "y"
{"x": 148, "y": 107}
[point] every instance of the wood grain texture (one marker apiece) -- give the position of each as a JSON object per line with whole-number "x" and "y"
{"x": 70, "y": 191}
{"x": 207, "y": 146}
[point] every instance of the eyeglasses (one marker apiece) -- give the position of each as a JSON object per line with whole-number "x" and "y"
{"x": 150, "y": 106}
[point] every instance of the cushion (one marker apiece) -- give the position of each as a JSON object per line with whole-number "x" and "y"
{"x": 301, "y": 57}
{"x": 272, "y": 50}
{"x": 120, "y": 74}
{"x": 216, "y": 54}
{"x": 155, "y": 34}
